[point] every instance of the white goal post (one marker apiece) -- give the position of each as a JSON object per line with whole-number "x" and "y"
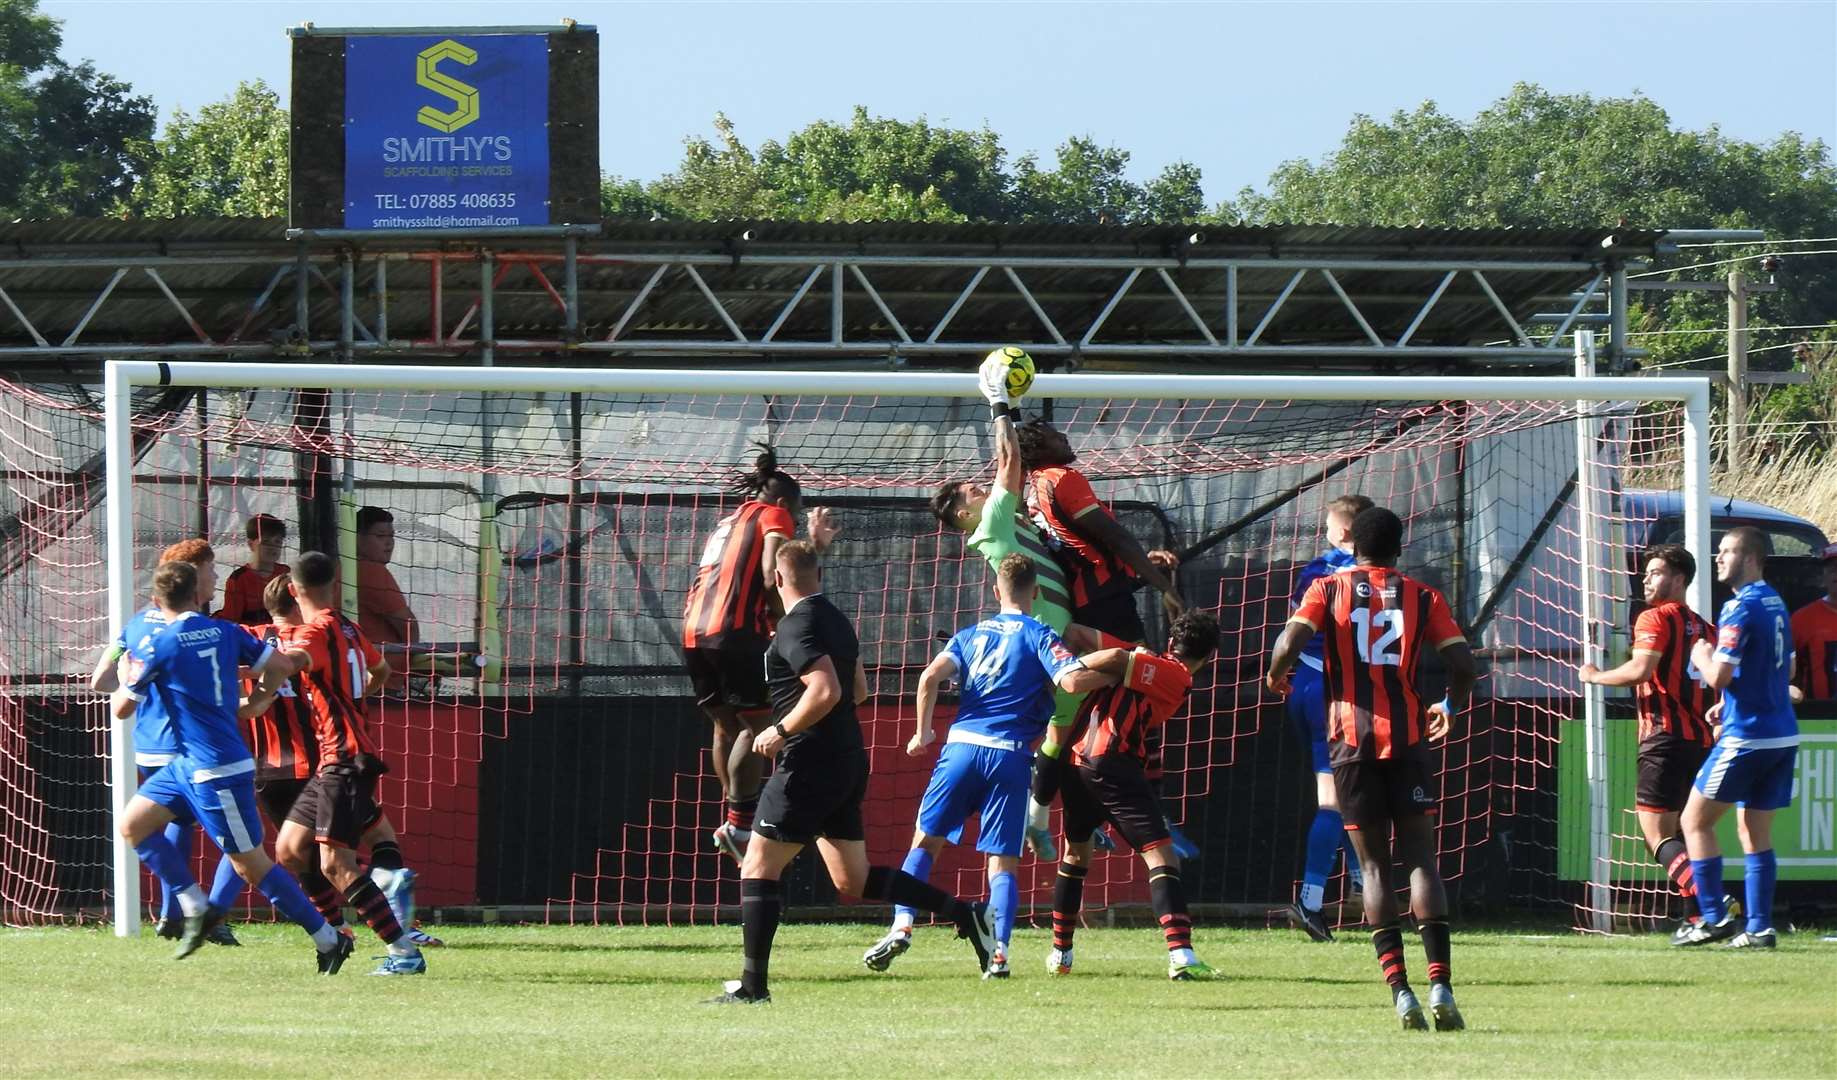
{"x": 123, "y": 377}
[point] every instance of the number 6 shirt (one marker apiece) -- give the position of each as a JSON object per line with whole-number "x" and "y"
{"x": 1375, "y": 623}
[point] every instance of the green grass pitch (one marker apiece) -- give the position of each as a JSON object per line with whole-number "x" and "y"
{"x": 541, "y": 1001}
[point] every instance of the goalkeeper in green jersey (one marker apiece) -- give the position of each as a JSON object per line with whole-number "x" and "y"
{"x": 997, "y": 526}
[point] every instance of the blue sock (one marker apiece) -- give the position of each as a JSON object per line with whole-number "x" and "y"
{"x": 1004, "y": 901}
{"x": 1708, "y": 875}
{"x": 179, "y": 836}
{"x": 158, "y": 854}
{"x": 226, "y": 887}
{"x": 1323, "y": 845}
{"x": 1763, "y": 871}
{"x": 917, "y": 864}
{"x": 285, "y": 894}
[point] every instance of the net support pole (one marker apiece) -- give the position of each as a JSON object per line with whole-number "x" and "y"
{"x": 347, "y": 486}
{"x": 118, "y": 433}
{"x": 1696, "y": 499}
{"x": 1594, "y": 698}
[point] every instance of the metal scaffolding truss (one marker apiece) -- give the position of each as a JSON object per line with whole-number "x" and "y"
{"x": 1277, "y": 298}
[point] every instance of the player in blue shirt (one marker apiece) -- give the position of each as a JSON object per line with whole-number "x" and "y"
{"x": 155, "y": 742}
{"x": 1307, "y": 711}
{"x": 1009, "y": 665}
{"x": 1751, "y": 764}
{"x": 192, "y": 666}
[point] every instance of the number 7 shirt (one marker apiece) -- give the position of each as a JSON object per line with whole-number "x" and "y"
{"x": 1375, "y": 623}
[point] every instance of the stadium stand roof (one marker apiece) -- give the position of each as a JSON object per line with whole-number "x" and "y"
{"x": 1265, "y": 298}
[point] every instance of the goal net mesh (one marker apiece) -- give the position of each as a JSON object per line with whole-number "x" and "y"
{"x": 557, "y": 766}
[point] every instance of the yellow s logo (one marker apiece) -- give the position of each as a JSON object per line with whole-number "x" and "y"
{"x": 464, "y": 96}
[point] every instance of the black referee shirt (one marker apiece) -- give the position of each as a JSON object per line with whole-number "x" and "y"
{"x": 812, "y": 629}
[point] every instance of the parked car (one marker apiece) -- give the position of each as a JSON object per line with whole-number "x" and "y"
{"x": 1657, "y": 517}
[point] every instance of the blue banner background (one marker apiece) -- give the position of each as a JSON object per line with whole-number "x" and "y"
{"x": 403, "y": 172}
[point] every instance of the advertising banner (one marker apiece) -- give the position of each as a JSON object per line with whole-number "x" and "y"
{"x": 446, "y": 131}
{"x": 1804, "y": 834}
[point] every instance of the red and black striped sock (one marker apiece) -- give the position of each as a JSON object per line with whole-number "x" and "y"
{"x": 1435, "y": 944}
{"x": 1675, "y": 858}
{"x": 325, "y": 896}
{"x": 740, "y": 813}
{"x": 1067, "y": 902}
{"x": 1388, "y": 940}
{"x": 373, "y": 907}
{"x": 1169, "y": 898}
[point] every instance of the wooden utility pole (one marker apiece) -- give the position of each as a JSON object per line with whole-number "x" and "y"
{"x": 1738, "y": 370}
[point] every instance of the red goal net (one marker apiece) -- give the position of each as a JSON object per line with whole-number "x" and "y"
{"x": 549, "y": 762}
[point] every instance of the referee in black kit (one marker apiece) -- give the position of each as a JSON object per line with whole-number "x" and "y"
{"x": 815, "y": 675}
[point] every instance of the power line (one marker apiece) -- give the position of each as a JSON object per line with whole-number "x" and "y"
{"x": 1739, "y": 259}
{"x": 1724, "y": 330}
{"x": 1761, "y": 243}
{"x": 1719, "y": 356}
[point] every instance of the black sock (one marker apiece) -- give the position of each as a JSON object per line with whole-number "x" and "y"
{"x": 1388, "y": 940}
{"x": 1048, "y": 772}
{"x": 1067, "y": 901}
{"x": 1435, "y": 944}
{"x": 899, "y": 887}
{"x": 762, "y": 903}
{"x": 1675, "y": 858}
{"x": 386, "y": 855}
{"x": 1168, "y": 895}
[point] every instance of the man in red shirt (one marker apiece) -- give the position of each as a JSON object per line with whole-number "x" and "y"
{"x": 1673, "y": 703}
{"x": 242, "y": 590}
{"x": 1109, "y": 782}
{"x": 1814, "y": 639}
{"x": 1376, "y": 626}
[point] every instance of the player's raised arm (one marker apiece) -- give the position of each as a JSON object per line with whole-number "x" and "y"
{"x": 937, "y": 673}
{"x": 1107, "y": 532}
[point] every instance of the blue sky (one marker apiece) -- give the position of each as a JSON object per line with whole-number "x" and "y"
{"x": 1236, "y": 88}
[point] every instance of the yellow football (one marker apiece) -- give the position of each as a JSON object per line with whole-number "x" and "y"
{"x": 1019, "y": 377}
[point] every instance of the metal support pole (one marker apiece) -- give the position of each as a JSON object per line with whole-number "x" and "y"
{"x": 382, "y": 301}
{"x": 118, "y": 433}
{"x": 487, "y": 321}
{"x": 1738, "y": 371}
{"x": 1594, "y": 698}
{"x": 570, "y": 284}
{"x": 302, "y": 281}
{"x": 1617, "y": 313}
{"x": 203, "y": 466}
{"x": 347, "y": 483}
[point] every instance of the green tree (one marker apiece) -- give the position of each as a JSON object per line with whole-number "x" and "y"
{"x": 71, "y": 137}
{"x": 228, "y": 161}
{"x": 877, "y": 168}
{"x": 1538, "y": 159}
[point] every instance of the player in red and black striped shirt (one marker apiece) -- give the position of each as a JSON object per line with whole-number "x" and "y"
{"x": 1109, "y": 782}
{"x": 1378, "y": 625}
{"x": 1673, "y": 705}
{"x": 338, "y": 804}
{"x": 1814, "y": 639}
{"x": 1105, "y": 566}
{"x": 727, "y": 624}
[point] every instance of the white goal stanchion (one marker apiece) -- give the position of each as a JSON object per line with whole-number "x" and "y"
{"x": 1449, "y": 397}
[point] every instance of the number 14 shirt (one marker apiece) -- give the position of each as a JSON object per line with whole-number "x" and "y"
{"x": 1375, "y": 624}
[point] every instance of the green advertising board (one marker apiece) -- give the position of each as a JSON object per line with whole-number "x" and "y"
{"x": 1804, "y": 834}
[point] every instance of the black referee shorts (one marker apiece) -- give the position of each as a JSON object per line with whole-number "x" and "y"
{"x": 730, "y": 672}
{"x": 1113, "y": 788}
{"x": 815, "y": 797}
{"x": 1667, "y": 767}
{"x": 1378, "y": 793}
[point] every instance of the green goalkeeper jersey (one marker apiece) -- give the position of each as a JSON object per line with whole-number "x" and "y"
{"x": 1002, "y": 533}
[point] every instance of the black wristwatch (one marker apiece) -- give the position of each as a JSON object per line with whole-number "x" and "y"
{"x": 780, "y": 728}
